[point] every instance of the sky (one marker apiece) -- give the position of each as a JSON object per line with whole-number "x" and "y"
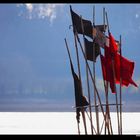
{"x": 34, "y": 66}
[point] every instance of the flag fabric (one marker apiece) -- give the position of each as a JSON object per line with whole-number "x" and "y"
{"x": 112, "y": 44}
{"x": 111, "y": 49}
{"x": 116, "y": 41}
{"x": 89, "y": 48}
{"x": 124, "y": 69}
{"x": 87, "y": 25}
{"x": 119, "y": 67}
{"x": 126, "y": 66}
{"x": 112, "y": 62}
{"x": 108, "y": 72}
{"x": 101, "y": 28}
{"x": 80, "y": 100}
{"x": 99, "y": 36}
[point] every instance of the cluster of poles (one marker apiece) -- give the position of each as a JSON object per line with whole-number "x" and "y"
{"x": 82, "y": 104}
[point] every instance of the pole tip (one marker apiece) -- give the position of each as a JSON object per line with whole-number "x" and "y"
{"x": 70, "y": 7}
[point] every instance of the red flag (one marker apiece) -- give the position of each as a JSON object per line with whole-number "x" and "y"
{"x": 126, "y": 66}
{"x": 108, "y": 72}
{"x": 112, "y": 45}
{"x": 116, "y": 41}
{"x": 110, "y": 52}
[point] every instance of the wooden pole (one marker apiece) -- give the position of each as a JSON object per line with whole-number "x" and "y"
{"x": 87, "y": 76}
{"x": 114, "y": 82}
{"x": 95, "y": 98}
{"x": 66, "y": 44}
{"x": 102, "y": 109}
{"x": 107, "y": 101}
{"x": 92, "y": 124}
{"x": 79, "y": 72}
{"x": 94, "y": 105}
{"x": 78, "y": 63}
{"x": 106, "y": 85}
{"x": 120, "y": 86}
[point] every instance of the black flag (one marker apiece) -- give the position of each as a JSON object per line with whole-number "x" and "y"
{"x": 87, "y": 25}
{"x": 99, "y": 35}
{"x": 89, "y": 50}
{"x": 102, "y": 27}
{"x": 80, "y": 100}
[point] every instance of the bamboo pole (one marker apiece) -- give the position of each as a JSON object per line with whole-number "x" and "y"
{"x": 114, "y": 83}
{"x": 102, "y": 109}
{"x": 94, "y": 105}
{"x": 79, "y": 72}
{"x": 106, "y": 122}
{"x": 78, "y": 63}
{"x": 92, "y": 124}
{"x": 94, "y": 76}
{"x": 66, "y": 44}
{"x": 87, "y": 76}
{"x": 105, "y": 84}
{"x": 106, "y": 97}
{"x": 106, "y": 90}
{"x": 120, "y": 86}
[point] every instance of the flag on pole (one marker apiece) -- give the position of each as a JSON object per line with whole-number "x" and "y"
{"x": 112, "y": 44}
{"x": 89, "y": 50}
{"x": 87, "y": 25}
{"x": 108, "y": 72}
{"x": 101, "y": 28}
{"x": 116, "y": 41}
{"x": 126, "y": 66}
{"x": 99, "y": 35}
{"x": 80, "y": 100}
